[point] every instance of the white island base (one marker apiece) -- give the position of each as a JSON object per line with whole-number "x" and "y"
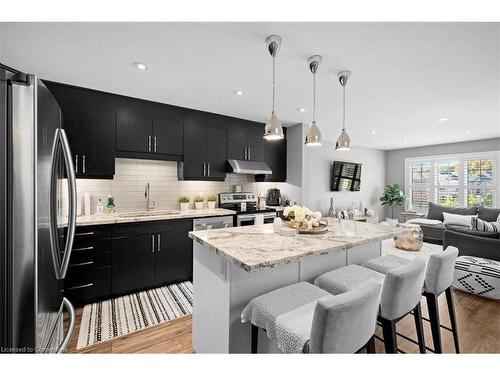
{"x": 222, "y": 289}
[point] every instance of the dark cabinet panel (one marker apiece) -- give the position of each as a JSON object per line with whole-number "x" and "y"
{"x": 255, "y": 142}
{"x": 236, "y": 142}
{"x": 134, "y": 133}
{"x": 194, "y": 150}
{"x": 73, "y": 126}
{"x": 133, "y": 264}
{"x": 275, "y": 158}
{"x": 99, "y": 143}
{"x": 168, "y": 136}
{"x": 174, "y": 257}
{"x": 216, "y": 152}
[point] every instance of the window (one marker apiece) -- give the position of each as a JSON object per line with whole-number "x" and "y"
{"x": 464, "y": 180}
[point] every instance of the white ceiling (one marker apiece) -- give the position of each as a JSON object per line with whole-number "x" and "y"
{"x": 405, "y": 76}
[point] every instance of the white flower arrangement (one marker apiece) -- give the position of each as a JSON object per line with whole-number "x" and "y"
{"x": 302, "y": 217}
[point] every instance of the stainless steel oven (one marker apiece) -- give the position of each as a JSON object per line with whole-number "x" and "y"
{"x": 254, "y": 218}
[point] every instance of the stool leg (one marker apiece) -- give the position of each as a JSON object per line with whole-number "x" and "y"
{"x": 255, "y": 339}
{"x": 432, "y": 306}
{"x": 453, "y": 319}
{"x": 390, "y": 338}
{"x": 417, "y": 314}
{"x": 370, "y": 345}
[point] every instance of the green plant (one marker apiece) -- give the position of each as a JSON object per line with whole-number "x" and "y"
{"x": 393, "y": 197}
{"x": 212, "y": 198}
{"x": 183, "y": 200}
{"x": 199, "y": 198}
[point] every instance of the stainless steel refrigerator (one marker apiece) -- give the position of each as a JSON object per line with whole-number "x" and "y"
{"x": 36, "y": 226}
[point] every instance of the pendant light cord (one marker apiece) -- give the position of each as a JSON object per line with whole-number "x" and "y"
{"x": 314, "y": 97}
{"x": 274, "y": 78}
{"x": 343, "y": 107}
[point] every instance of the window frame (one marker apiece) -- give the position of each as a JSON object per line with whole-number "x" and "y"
{"x": 463, "y": 185}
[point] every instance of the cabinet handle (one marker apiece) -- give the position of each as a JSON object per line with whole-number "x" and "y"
{"x": 152, "y": 243}
{"x": 155, "y": 143}
{"x": 76, "y": 163}
{"x": 82, "y": 264}
{"x": 149, "y": 143}
{"x": 159, "y": 243}
{"x": 84, "y": 248}
{"x": 204, "y": 169}
{"x": 84, "y": 234}
{"x": 83, "y": 167}
{"x": 245, "y": 157}
{"x": 249, "y": 153}
{"x": 81, "y": 286}
{"x": 208, "y": 170}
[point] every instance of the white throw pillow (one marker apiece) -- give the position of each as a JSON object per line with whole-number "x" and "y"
{"x": 454, "y": 219}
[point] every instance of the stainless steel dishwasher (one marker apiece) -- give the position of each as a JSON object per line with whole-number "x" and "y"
{"x": 212, "y": 223}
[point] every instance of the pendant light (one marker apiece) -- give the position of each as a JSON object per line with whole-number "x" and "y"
{"x": 313, "y": 137}
{"x": 343, "y": 142}
{"x": 273, "y": 129}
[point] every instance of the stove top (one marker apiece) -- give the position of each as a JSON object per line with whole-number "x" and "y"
{"x": 242, "y": 203}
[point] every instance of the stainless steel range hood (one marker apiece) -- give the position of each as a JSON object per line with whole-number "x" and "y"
{"x": 249, "y": 167}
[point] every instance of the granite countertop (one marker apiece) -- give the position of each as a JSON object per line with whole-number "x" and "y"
{"x": 256, "y": 247}
{"x": 124, "y": 217}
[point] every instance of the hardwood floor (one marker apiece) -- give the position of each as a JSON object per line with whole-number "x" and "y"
{"x": 478, "y": 322}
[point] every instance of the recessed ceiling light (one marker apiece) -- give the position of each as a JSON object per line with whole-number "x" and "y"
{"x": 239, "y": 92}
{"x": 442, "y": 119}
{"x": 467, "y": 132}
{"x": 373, "y": 132}
{"x": 301, "y": 110}
{"x": 141, "y": 66}
{"x": 405, "y": 140}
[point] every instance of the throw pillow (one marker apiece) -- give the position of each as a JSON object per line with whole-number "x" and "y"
{"x": 484, "y": 226}
{"x": 454, "y": 219}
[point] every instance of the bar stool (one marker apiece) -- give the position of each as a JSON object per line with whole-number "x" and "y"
{"x": 304, "y": 318}
{"x": 438, "y": 279}
{"x": 401, "y": 293}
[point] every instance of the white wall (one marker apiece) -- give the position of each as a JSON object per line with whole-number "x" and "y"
{"x": 317, "y": 174}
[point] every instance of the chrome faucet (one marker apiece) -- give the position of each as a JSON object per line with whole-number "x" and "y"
{"x": 147, "y": 195}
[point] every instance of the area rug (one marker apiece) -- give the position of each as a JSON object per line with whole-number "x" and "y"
{"x": 106, "y": 320}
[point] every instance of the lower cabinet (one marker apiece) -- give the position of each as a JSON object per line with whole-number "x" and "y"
{"x": 174, "y": 259}
{"x": 133, "y": 264}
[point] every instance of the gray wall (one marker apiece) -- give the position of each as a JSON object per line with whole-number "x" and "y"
{"x": 317, "y": 174}
{"x": 395, "y": 159}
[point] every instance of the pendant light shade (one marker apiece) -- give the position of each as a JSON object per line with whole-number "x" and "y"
{"x": 344, "y": 141}
{"x": 313, "y": 137}
{"x": 273, "y": 130}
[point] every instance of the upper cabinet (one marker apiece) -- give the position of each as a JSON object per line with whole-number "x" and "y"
{"x": 275, "y": 158}
{"x": 204, "y": 147}
{"x": 90, "y": 127}
{"x": 149, "y": 134}
{"x": 244, "y": 140}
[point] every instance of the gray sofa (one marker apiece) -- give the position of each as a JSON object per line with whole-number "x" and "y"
{"x": 433, "y": 233}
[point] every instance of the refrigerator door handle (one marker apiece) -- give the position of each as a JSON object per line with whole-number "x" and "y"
{"x": 61, "y": 144}
{"x": 71, "y": 327}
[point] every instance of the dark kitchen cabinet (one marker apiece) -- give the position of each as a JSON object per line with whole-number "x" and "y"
{"x": 174, "y": 256}
{"x": 133, "y": 133}
{"x": 245, "y": 142}
{"x": 90, "y": 128}
{"x": 133, "y": 263}
{"x": 154, "y": 135}
{"x": 204, "y": 147}
{"x": 275, "y": 158}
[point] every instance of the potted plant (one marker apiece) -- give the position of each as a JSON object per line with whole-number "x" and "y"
{"x": 392, "y": 197}
{"x": 110, "y": 206}
{"x": 184, "y": 203}
{"x": 211, "y": 199}
{"x": 198, "y": 202}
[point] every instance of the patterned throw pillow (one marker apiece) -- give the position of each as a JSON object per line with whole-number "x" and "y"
{"x": 484, "y": 226}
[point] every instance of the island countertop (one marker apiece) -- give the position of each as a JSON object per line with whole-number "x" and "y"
{"x": 131, "y": 217}
{"x": 258, "y": 246}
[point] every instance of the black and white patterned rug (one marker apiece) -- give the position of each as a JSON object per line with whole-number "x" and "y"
{"x": 106, "y": 320}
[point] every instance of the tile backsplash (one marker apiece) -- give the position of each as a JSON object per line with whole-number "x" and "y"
{"x": 132, "y": 175}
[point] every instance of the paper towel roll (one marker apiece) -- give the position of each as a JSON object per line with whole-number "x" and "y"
{"x": 88, "y": 199}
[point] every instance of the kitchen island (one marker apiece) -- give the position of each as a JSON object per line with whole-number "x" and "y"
{"x": 231, "y": 266}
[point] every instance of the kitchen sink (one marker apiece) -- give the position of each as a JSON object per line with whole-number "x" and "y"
{"x": 149, "y": 213}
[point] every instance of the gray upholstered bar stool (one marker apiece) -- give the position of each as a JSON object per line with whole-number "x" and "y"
{"x": 304, "y": 318}
{"x": 401, "y": 293}
{"x": 438, "y": 279}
